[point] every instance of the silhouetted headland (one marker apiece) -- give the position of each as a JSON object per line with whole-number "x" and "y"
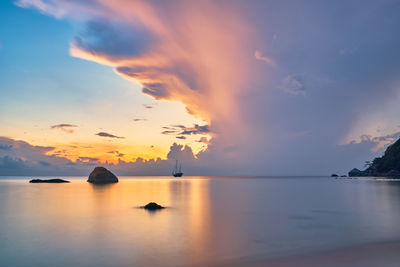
{"x": 386, "y": 166}
{"x": 51, "y": 181}
{"x": 101, "y": 175}
{"x": 153, "y": 206}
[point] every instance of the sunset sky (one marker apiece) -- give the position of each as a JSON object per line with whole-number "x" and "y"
{"x": 226, "y": 87}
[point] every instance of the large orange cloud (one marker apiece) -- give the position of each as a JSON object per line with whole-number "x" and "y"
{"x": 194, "y": 52}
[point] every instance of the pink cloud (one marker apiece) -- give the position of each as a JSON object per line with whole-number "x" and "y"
{"x": 194, "y": 52}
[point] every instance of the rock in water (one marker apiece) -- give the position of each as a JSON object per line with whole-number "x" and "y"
{"x": 50, "y": 181}
{"x": 101, "y": 175}
{"x": 153, "y": 206}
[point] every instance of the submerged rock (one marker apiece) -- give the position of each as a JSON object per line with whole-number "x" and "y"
{"x": 52, "y": 181}
{"x": 153, "y": 206}
{"x": 101, "y": 175}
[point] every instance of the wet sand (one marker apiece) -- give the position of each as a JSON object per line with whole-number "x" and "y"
{"x": 374, "y": 254}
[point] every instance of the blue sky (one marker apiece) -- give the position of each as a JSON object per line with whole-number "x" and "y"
{"x": 41, "y": 85}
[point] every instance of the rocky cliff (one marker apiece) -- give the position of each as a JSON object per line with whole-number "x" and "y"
{"x": 388, "y": 165}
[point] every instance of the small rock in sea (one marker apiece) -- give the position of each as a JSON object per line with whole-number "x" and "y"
{"x": 153, "y": 206}
{"x": 334, "y": 175}
{"x": 51, "y": 181}
{"x": 101, "y": 175}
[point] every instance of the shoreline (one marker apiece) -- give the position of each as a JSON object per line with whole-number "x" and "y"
{"x": 381, "y": 253}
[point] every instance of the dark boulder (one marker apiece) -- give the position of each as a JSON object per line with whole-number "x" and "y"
{"x": 153, "y": 206}
{"x": 50, "y": 181}
{"x": 101, "y": 175}
{"x": 334, "y": 175}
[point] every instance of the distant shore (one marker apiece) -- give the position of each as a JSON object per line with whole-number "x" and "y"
{"x": 365, "y": 255}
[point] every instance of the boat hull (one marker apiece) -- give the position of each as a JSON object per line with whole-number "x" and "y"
{"x": 178, "y": 174}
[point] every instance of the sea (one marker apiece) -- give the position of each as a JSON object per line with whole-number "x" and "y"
{"x": 208, "y": 221}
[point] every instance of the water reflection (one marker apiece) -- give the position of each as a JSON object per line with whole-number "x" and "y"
{"x": 206, "y": 221}
{"x": 102, "y": 223}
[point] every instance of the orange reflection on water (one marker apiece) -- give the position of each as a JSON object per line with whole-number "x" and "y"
{"x": 107, "y": 220}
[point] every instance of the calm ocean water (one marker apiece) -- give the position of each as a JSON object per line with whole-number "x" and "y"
{"x": 209, "y": 220}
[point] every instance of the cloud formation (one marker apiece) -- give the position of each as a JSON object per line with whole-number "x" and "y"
{"x": 258, "y": 55}
{"x": 5, "y": 147}
{"x": 183, "y": 130}
{"x": 117, "y": 153}
{"x": 167, "y": 59}
{"x": 89, "y": 159}
{"x": 148, "y": 106}
{"x": 204, "y": 54}
{"x": 25, "y": 159}
{"x": 294, "y": 85}
{"x": 22, "y": 158}
{"x": 66, "y": 127}
{"x": 104, "y": 134}
{"x": 380, "y": 141}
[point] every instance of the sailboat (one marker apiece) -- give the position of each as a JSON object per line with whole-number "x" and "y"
{"x": 177, "y": 172}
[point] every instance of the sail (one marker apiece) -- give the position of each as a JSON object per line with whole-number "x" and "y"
{"x": 176, "y": 167}
{"x": 177, "y": 172}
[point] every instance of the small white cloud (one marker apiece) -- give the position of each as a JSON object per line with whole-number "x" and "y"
{"x": 42, "y": 6}
{"x": 258, "y": 55}
{"x": 293, "y": 85}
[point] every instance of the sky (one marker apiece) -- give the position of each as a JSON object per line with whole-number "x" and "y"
{"x": 227, "y": 87}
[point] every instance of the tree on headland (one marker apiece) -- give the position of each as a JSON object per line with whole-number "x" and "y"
{"x": 367, "y": 164}
{"x": 387, "y": 165}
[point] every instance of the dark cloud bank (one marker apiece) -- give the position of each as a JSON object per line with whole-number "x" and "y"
{"x": 21, "y": 158}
